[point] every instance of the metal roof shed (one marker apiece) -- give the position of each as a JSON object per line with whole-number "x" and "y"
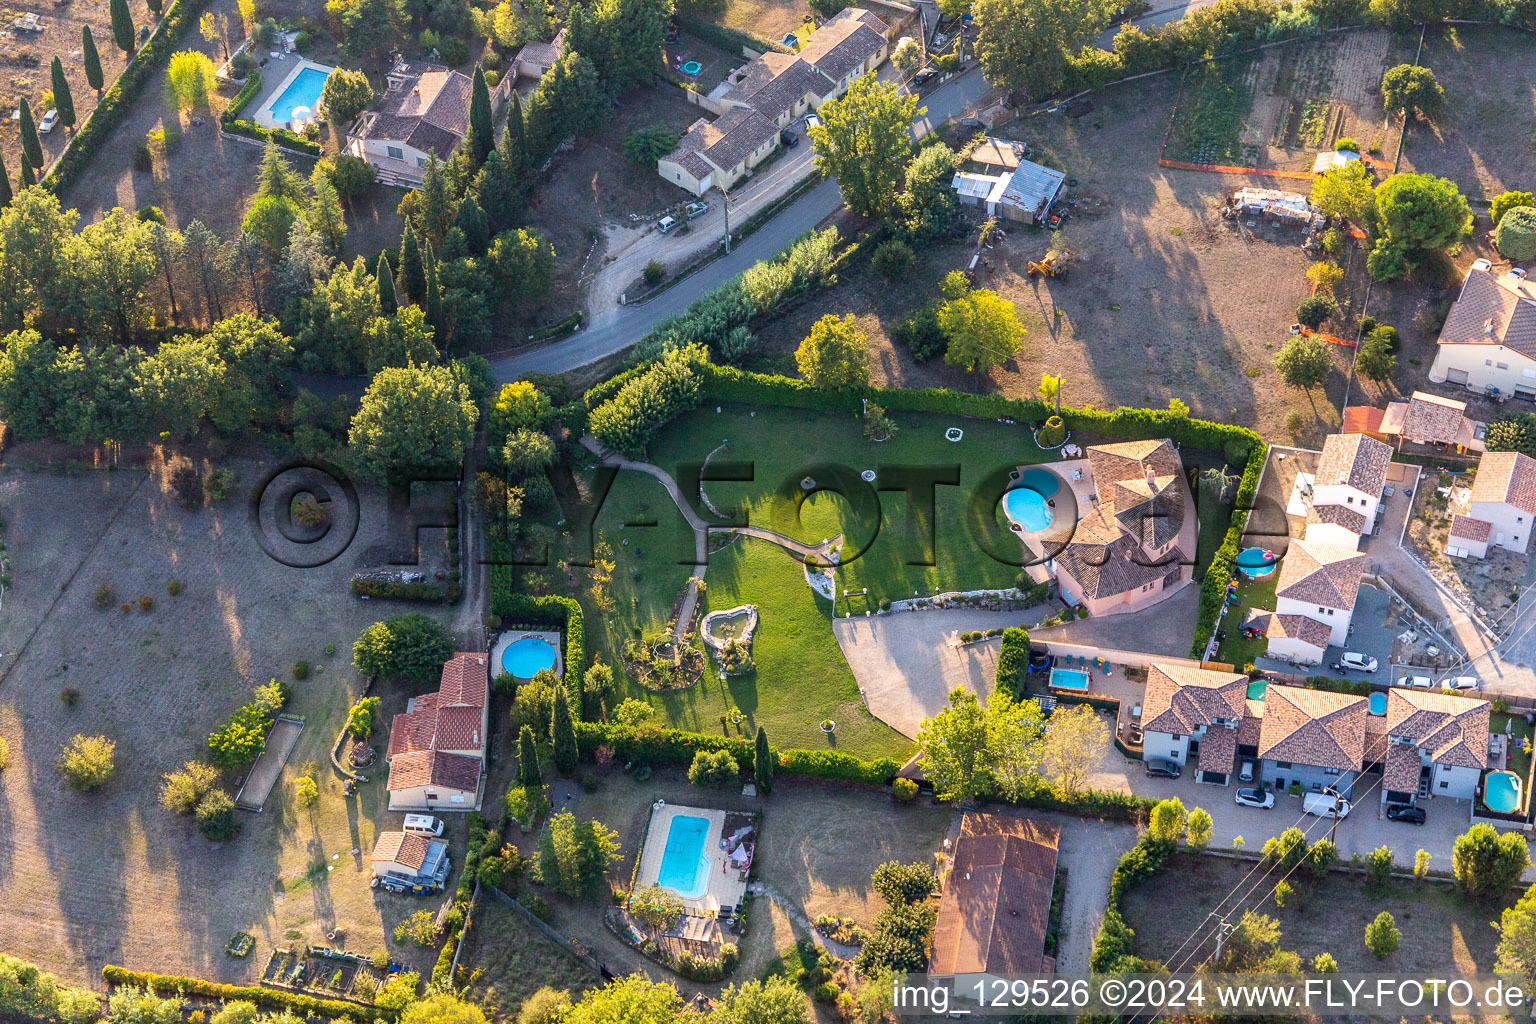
{"x": 974, "y": 187}
{"x": 1033, "y": 188}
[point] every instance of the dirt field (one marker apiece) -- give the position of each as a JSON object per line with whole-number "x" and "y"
{"x": 1440, "y": 929}
{"x": 110, "y": 877}
{"x": 1484, "y": 140}
{"x": 1278, "y": 108}
{"x": 28, "y": 57}
{"x": 770, "y": 19}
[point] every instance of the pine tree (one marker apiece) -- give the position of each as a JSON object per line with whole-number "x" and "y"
{"x": 433, "y": 304}
{"x": 31, "y": 145}
{"x": 563, "y": 732}
{"x": 386, "y": 278}
{"x": 413, "y": 274}
{"x": 63, "y": 100}
{"x": 528, "y": 773}
{"x": 276, "y": 179}
{"x": 499, "y": 193}
{"x": 122, "y": 25}
{"x": 92, "y": 60}
{"x": 762, "y": 763}
{"x": 28, "y": 179}
{"x": 482, "y": 132}
{"x": 5, "y": 185}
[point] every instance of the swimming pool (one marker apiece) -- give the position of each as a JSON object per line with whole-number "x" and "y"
{"x": 1027, "y": 508}
{"x": 302, "y": 91}
{"x": 684, "y": 868}
{"x": 1042, "y": 480}
{"x": 1254, "y": 563}
{"x": 1069, "y": 679}
{"x": 527, "y": 657}
{"x": 1501, "y": 792}
{"x": 1257, "y": 689}
{"x": 1378, "y": 703}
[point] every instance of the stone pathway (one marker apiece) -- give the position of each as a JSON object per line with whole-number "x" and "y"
{"x": 801, "y": 922}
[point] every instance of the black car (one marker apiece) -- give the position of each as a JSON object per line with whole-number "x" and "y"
{"x": 1405, "y": 812}
{"x": 1162, "y": 769}
{"x": 924, "y": 76}
{"x": 789, "y": 138}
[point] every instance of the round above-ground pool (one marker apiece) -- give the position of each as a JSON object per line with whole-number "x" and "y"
{"x": 1256, "y": 563}
{"x": 1042, "y": 481}
{"x": 1026, "y": 507}
{"x": 1378, "y": 703}
{"x": 1501, "y": 792}
{"x": 528, "y": 657}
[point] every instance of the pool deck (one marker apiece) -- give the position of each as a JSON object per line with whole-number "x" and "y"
{"x": 511, "y": 636}
{"x": 1050, "y": 541}
{"x": 726, "y": 884}
{"x": 281, "y": 70}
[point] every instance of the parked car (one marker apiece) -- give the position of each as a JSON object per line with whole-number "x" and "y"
{"x": 1416, "y": 682}
{"x": 424, "y": 824}
{"x": 695, "y": 209}
{"x": 1353, "y": 662}
{"x": 1325, "y": 805}
{"x": 1462, "y": 683}
{"x": 666, "y": 224}
{"x": 812, "y": 121}
{"x": 789, "y": 138}
{"x": 1246, "y": 770}
{"x": 924, "y": 76}
{"x": 1252, "y": 796}
{"x": 1162, "y": 769}
{"x": 1405, "y": 812}
{"x": 49, "y": 120}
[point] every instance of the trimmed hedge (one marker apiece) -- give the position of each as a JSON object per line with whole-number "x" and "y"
{"x": 727, "y": 38}
{"x": 443, "y": 593}
{"x": 1013, "y": 661}
{"x": 276, "y": 999}
{"x": 1136, "y": 865}
{"x": 656, "y": 746}
{"x": 282, "y": 136}
{"x": 562, "y": 611}
{"x": 179, "y": 17}
{"x": 242, "y": 98}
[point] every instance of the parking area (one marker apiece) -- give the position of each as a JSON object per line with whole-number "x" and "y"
{"x": 1377, "y": 621}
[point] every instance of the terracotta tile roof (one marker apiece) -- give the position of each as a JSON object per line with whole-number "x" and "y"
{"x": 543, "y": 54}
{"x": 996, "y": 905}
{"x": 1402, "y": 770}
{"x": 1471, "y": 529}
{"x": 1313, "y": 727}
{"x": 727, "y": 140}
{"x": 1249, "y": 729}
{"x": 1356, "y": 460}
{"x": 1362, "y": 419}
{"x": 1338, "y": 515}
{"x": 1179, "y": 699}
{"x": 434, "y": 768}
{"x": 460, "y": 727}
{"x": 1299, "y": 627}
{"x": 466, "y": 679}
{"x": 1140, "y": 486}
{"x": 1103, "y": 570}
{"x": 1492, "y": 310}
{"x": 1321, "y": 574}
{"x": 1375, "y": 739}
{"x": 1432, "y": 418}
{"x": 404, "y": 848}
{"x": 1506, "y": 478}
{"x": 414, "y": 729}
{"x": 773, "y": 83}
{"x": 429, "y": 111}
{"x": 1218, "y": 749}
{"x": 840, "y": 45}
{"x": 1454, "y": 730}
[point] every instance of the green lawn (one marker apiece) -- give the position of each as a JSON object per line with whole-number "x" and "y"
{"x": 1519, "y": 760}
{"x": 1235, "y": 650}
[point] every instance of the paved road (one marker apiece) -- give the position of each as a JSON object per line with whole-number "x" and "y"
{"x": 614, "y": 328}
{"x": 1160, "y": 14}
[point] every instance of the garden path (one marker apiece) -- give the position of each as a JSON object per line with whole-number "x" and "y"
{"x": 802, "y": 923}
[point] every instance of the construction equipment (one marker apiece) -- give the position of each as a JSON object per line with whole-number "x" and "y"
{"x": 1053, "y": 264}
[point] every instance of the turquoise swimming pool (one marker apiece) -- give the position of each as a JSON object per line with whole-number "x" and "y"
{"x": 1042, "y": 480}
{"x": 1501, "y": 792}
{"x": 1069, "y": 679}
{"x": 1378, "y": 703}
{"x": 528, "y": 657}
{"x": 1256, "y": 563}
{"x": 684, "y": 868}
{"x": 303, "y": 91}
{"x": 1027, "y": 508}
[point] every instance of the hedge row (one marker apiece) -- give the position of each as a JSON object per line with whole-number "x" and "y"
{"x": 1013, "y": 661}
{"x": 656, "y": 746}
{"x": 564, "y": 612}
{"x": 171, "y": 984}
{"x": 179, "y": 17}
{"x": 1223, "y": 567}
{"x": 445, "y": 593}
{"x": 728, "y": 38}
{"x": 242, "y": 98}
{"x": 282, "y": 136}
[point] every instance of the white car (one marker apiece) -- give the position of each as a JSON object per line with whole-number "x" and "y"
{"x": 1352, "y": 661}
{"x": 1255, "y": 797}
{"x": 424, "y": 824}
{"x": 1461, "y": 683}
{"x": 49, "y": 120}
{"x": 812, "y": 121}
{"x": 1416, "y": 682}
{"x": 666, "y": 224}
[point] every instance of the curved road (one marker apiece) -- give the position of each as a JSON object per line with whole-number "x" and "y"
{"x": 614, "y": 329}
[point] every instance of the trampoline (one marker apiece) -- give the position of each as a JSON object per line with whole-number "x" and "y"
{"x": 691, "y": 67}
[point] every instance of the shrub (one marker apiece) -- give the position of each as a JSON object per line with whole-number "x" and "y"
{"x": 1346, "y": 145}
{"x": 904, "y": 883}
{"x": 1316, "y": 309}
{"x": 905, "y": 790}
{"x": 103, "y": 596}
{"x": 143, "y": 159}
{"x": 70, "y": 696}
{"x": 301, "y": 669}
{"x": 182, "y": 790}
{"x": 713, "y": 768}
{"x": 655, "y": 272}
{"x": 920, "y": 332}
{"x": 216, "y": 816}
{"x": 1382, "y": 936}
{"x": 173, "y": 587}
{"x": 670, "y": 387}
{"x": 87, "y": 762}
{"x": 1506, "y": 201}
{"x": 187, "y": 483}
{"x": 420, "y": 928}
{"x": 361, "y": 717}
{"x": 221, "y": 482}
{"x": 892, "y": 258}
{"x": 274, "y": 999}
{"x": 646, "y": 146}
{"x": 1516, "y": 234}
{"x": 1013, "y": 661}
{"x": 5, "y": 754}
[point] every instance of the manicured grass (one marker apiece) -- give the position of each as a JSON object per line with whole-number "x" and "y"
{"x": 1519, "y": 760}
{"x": 1236, "y": 650}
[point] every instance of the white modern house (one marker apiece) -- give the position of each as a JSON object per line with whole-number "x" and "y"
{"x": 1319, "y": 581}
{"x": 1501, "y": 509}
{"x": 1191, "y": 711}
{"x": 1488, "y": 343}
{"x": 1351, "y": 475}
{"x": 1436, "y": 745}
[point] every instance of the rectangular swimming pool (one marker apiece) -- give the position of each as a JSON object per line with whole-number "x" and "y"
{"x": 303, "y": 91}
{"x": 1069, "y": 679}
{"x": 684, "y": 868}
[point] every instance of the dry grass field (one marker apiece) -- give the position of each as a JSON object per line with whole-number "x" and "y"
{"x": 109, "y": 876}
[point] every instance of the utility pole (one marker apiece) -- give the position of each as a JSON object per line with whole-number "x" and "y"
{"x": 1332, "y": 829}
{"x": 726, "y": 206}
{"x": 1223, "y": 929}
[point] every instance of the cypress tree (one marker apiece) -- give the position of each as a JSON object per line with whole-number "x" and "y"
{"x": 482, "y": 133}
{"x": 5, "y": 185}
{"x": 156, "y": 6}
{"x": 63, "y": 100}
{"x": 28, "y": 179}
{"x": 31, "y": 145}
{"x": 122, "y": 25}
{"x": 413, "y": 275}
{"x": 92, "y": 60}
{"x": 563, "y": 732}
{"x": 472, "y": 221}
{"x": 386, "y": 278}
{"x": 433, "y": 306}
{"x": 528, "y": 773}
{"x": 762, "y": 763}
{"x": 514, "y": 141}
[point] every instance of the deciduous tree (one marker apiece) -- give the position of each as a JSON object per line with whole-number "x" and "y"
{"x": 1346, "y": 191}
{"x": 952, "y": 748}
{"x": 1024, "y": 45}
{"x": 1073, "y": 744}
{"x": 1486, "y": 863}
{"x": 864, "y": 141}
{"x": 833, "y": 355}
{"x": 983, "y": 330}
{"x": 1411, "y": 88}
{"x": 345, "y": 96}
{"x": 1304, "y": 362}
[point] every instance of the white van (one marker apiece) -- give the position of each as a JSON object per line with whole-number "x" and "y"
{"x": 424, "y": 824}
{"x": 1325, "y": 805}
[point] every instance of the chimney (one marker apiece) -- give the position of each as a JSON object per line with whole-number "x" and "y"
{"x": 1151, "y": 476}
{"x": 1488, "y": 327}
